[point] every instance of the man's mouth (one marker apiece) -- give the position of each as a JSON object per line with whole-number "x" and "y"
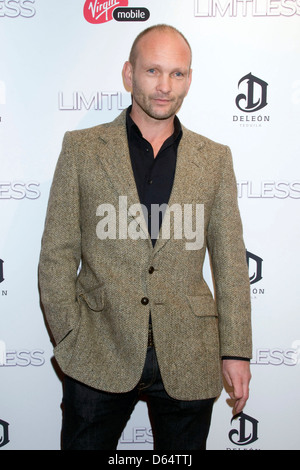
{"x": 162, "y": 100}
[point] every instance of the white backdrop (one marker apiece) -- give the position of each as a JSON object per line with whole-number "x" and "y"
{"x": 60, "y": 69}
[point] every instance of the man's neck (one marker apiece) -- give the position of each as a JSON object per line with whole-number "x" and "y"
{"x": 155, "y": 131}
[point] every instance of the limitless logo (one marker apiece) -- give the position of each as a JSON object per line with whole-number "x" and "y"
{"x": 240, "y": 437}
{"x": 246, "y": 8}
{"x": 256, "y": 94}
{"x": 98, "y": 100}
{"x": 13, "y": 9}
{"x": 19, "y": 190}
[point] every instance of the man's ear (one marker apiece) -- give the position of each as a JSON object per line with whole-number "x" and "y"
{"x": 127, "y": 76}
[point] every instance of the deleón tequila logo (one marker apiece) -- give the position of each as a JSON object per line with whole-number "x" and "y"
{"x": 255, "y": 96}
{"x": 3, "y": 433}
{"x": 247, "y": 432}
{"x": 1, "y": 270}
{"x": 254, "y": 263}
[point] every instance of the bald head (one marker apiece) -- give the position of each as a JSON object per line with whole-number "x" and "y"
{"x": 160, "y": 28}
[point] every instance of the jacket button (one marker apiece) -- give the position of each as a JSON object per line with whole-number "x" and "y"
{"x": 145, "y": 300}
{"x": 151, "y": 270}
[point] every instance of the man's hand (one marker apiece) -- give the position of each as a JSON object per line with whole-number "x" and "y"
{"x": 237, "y": 375}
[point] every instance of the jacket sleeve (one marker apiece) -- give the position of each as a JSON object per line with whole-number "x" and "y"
{"x": 230, "y": 271}
{"x": 61, "y": 246}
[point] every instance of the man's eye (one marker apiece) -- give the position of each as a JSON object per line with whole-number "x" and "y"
{"x": 151, "y": 70}
{"x": 178, "y": 74}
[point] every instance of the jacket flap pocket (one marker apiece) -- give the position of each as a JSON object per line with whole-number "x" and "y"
{"x": 203, "y": 305}
{"x": 94, "y": 298}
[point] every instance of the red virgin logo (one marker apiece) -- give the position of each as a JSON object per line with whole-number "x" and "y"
{"x": 98, "y": 11}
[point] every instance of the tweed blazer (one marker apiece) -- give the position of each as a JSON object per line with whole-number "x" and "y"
{"x": 97, "y": 292}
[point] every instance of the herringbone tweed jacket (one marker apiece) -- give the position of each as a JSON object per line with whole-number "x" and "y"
{"x": 99, "y": 314}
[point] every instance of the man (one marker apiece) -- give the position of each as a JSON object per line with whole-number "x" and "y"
{"x": 138, "y": 318}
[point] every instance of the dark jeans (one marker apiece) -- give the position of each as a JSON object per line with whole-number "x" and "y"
{"x": 94, "y": 420}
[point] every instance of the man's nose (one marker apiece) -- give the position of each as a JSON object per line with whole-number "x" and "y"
{"x": 164, "y": 84}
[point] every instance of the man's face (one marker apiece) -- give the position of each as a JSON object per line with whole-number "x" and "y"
{"x": 161, "y": 75}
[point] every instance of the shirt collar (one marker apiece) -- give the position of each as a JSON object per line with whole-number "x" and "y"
{"x": 132, "y": 127}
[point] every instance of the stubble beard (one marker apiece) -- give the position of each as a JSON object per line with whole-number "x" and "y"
{"x": 146, "y": 104}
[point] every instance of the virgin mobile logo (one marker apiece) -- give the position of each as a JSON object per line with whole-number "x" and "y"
{"x": 97, "y": 11}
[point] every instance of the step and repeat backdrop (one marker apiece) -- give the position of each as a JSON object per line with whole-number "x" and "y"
{"x": 60, "y": 69}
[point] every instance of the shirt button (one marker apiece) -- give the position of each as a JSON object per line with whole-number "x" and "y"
{"x": 151, "y": 270}
{"x": 145, "y": 300}
{"x": 149, "y": 181}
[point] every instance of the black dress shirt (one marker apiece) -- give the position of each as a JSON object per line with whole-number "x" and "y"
{"x": 154, "y": 177}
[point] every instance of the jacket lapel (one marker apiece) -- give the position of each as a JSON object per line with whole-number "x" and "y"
{"x": 115, "y": 160}
{"x": 189, "y": 168}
